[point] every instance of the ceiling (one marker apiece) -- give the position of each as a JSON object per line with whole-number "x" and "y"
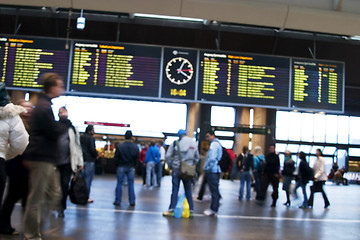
{"x": 341, "y": 17}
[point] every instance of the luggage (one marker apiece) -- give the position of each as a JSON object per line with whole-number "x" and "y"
{"x": 78, "y": 192}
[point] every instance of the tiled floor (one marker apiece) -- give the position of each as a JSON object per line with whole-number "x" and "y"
{"x": 236, "y": 220}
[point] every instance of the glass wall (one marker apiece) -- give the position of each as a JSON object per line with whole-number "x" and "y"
{"x": 224, "y": 117}
{"x": 311, "y": 128}
{"x": 145, "y": 118}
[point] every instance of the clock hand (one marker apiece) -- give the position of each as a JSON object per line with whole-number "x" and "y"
{"x": 182, "y": 65}
{"x": 183, "y": 73}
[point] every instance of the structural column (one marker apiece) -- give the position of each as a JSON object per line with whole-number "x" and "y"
{"x": 193, "y": 118}
{"x": 259, "y": 120}
{"x": 241, "y": 139}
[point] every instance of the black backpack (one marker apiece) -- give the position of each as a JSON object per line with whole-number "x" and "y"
{"x": 225, "y": 161}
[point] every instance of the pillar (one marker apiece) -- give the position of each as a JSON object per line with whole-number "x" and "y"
{"x": 193, "y": 118}
{"x": 241, "y": 139}
{"x": 259, "y": 120}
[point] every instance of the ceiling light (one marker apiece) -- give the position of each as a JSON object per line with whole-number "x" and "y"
{"x": 168, "y": 17}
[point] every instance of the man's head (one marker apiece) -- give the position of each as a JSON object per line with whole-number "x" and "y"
{"x": 181, "y": 133}
{"x": 53, "y": 85}
{"x": 245, "y": 149}
{"x": 63, "y": 113}
{"x": 90, "y": 129}
{"x": 128, "y": 135}
{"x": 209, "y": 135}
{"x": 272, "y": 148}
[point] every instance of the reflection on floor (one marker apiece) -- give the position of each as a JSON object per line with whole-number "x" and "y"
{"x": 236, "y": 220}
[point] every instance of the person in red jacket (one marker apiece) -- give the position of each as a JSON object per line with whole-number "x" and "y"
{"x": 142, "y": 164}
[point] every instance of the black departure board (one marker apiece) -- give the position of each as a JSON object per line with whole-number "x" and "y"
{"x": 179, "y": 73}
{"x": 317, "y": 85}
{"x": 243, "y": 79}
{"x": 110, "y": 68}
{"x": 23, "y": 60}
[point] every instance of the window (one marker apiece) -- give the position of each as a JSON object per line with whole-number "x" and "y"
{"x": 294, "y": 126}
{"x": 145, "y": 118}
{"x": 307, "y": 127}
{"x": 331, "y": 128}
{"x": 319, "y": 128}
{"x": 282, "y": 125}
{"x": 355, "y": 129}
{"x": 343, "y": 129}
{"x": 280, "y": 147}
{"x": 354, "y": 152}
{"x": 341, "y": 157}
{"x": 222, "y": 116}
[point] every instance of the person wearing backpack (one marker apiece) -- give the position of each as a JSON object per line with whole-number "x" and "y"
{"x": 212, "y": 170}
{"x": 247, "y": 164}
{"x": 185, "y": 149}
{"x": 288, "y": 175}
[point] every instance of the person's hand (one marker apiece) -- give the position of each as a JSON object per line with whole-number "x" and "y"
{"x": 80, "y": 167}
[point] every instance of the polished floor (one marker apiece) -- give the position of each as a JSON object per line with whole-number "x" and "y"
{"x": 236, "y": 220}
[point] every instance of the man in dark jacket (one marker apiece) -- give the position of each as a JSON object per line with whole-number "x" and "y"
{"x": 271, "y": 176}
{"x": 90, "y": 154}
{"x": 42, "y": 157}
{"x": 126, "y": 156}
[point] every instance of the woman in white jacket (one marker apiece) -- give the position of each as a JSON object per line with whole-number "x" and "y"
{"x": 320, "y": 178}
{"x": 13, "y": 136}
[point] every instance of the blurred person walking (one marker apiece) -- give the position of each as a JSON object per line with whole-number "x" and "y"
{"x": 259, "y": 160}
{"x": 142, "y": 162}
{"x": 213, "y": 171}
{"x": 89, "y": 154}
{"x": 288, "y": 175}
{"x": 126, "y": 156}
{"x": 303, "y": 178}
{"x": 185, "y": 149}
{"x": 245, "y": 165}
{"x": 13, "y": 141}
{"x": 70, "y": 155}
{"x": 271, "y": 176}
{"x": 41, "y": 158}
{"x": 320, "y": 178}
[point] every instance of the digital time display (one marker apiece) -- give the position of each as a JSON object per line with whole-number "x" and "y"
{"x": 23, "y": 60}
{"x": 243, "y": 79}
{"x": 317, "y": 85}
{"x": 121, "y": 69}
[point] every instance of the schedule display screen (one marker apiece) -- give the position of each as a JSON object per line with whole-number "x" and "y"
{"x": 23, "y": 60}
{"x": 244, "y": 79}
{"x": 317, "y": 85}
{"x": 115, "y": 69}
{"x": 179, "y": 73}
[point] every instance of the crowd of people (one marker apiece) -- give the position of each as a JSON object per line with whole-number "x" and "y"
{"x": 42, "y": 154}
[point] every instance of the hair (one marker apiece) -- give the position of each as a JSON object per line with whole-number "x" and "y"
{"x": 63, "y": 107}
{"x": 321, "y": 154}
{"x": 211, "y": 132}
{"x": 245, "y": 149}
{"x": 89, "y": 128}
{"x": 128, "y": 134}
{"x": 287, "y": 152}
{"x": 302, "y": 156}
{"x": 257, "y": 150}
{"x": 49, "y": 80}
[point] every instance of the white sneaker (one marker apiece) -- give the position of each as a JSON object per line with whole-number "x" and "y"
{"x": 209, "y": 212}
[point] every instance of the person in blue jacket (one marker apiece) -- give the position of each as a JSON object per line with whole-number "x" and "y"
{"x": 151, "y": 159}
{"x": 212, "y": 171}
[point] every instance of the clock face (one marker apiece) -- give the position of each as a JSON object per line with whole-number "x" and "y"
{"x": 179, "y": 70}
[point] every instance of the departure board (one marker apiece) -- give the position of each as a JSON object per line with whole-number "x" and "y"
{"x": 179, "y": 73}
{"x": 243, "y": 79}
{"x": 23, "y": 60}
{"x": 317, "y": 85}
{"x": 110, "y": 68}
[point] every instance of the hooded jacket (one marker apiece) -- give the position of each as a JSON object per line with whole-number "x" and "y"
{"x": 188, "y": 150}
{"x": 13, "y": 136}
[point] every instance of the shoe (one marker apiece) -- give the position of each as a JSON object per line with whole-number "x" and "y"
{"x": 116, "y": 203}
{"x": 273, "y": 205}
{"x": 327, "y": 205}
{"x": 132, "y": 204}
{"x": 303, "y": 207}
{"x": 191, "y": 215}
{"x": 287, "y": 204}
{"x": 168, "y": 213}
{"x": 10, "y": 231}
{"x": 90, "y": 200}
{"x": 209, "y": 212}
